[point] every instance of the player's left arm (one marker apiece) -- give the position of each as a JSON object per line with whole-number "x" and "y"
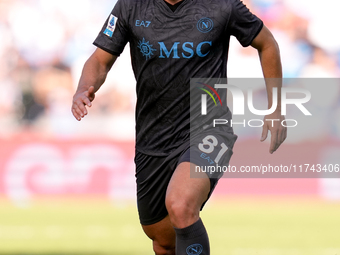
{"x": 269, "y": 54}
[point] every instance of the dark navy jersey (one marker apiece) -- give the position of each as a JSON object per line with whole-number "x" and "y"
{"x": 167, "y": 49}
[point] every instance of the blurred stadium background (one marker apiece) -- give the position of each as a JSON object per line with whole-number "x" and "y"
{"x": 68, "y": 187}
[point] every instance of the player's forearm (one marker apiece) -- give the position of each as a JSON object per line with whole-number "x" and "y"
{"x": 270, "y": 59}
{"x": 269, "y": 54}
{"x": 94, "y": 74}
{"x": 272, "y": 70}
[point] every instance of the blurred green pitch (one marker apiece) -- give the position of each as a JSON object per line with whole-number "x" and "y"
{"x": 236, "y": 226}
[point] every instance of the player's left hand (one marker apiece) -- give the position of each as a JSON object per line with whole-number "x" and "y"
{"x": 278, "y": 132}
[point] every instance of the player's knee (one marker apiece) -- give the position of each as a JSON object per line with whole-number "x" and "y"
{"x": 163, "y": 248}
{"x": 182, "y": 213}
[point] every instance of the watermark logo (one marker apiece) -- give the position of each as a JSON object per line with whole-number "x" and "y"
{"x": 243, "y": 104}
{"x": 239, "y": 100}
{"x": 204, "y": 97}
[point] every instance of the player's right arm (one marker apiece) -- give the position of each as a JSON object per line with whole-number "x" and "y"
{"x": 93, "y": 76}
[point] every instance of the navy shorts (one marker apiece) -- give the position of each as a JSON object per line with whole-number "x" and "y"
{"x": 153, "y": 173}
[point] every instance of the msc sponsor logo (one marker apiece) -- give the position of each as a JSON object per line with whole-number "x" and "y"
{"x": 146, "y": 48}
{"x": 205, "y": 25}
{"x": 184, "y": 50}
{"x": 177, "y": 50}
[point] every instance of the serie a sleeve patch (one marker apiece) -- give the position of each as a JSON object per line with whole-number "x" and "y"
{"x": 111, "y": 25}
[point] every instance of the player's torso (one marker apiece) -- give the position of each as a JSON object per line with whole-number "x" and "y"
{"x": 167, "y": 49}
{"x": 191, "y": 35}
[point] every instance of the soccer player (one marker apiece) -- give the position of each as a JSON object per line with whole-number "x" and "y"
{"x": 172, "y": 41}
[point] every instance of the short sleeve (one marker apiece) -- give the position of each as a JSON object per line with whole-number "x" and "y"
{"x": 114, "y": 34}
{"x": 244, "y": 25}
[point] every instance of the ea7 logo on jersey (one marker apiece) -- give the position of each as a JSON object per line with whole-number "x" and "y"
{"x": 111, "y": 25}
{"x": 142, "y": 23}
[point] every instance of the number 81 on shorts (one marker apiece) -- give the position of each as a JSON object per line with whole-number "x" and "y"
{"x": 209, "y": 144}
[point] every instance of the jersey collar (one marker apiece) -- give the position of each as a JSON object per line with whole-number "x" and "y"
{"x": 164, "y": 7}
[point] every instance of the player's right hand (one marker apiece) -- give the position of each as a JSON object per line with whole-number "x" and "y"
{"x": 80, "y": 101}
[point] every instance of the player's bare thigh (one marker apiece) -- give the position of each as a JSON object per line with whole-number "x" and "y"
{"x": 185, "y": 195}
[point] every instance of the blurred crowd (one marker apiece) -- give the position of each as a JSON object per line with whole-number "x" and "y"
{"x": 44, "y": 44}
